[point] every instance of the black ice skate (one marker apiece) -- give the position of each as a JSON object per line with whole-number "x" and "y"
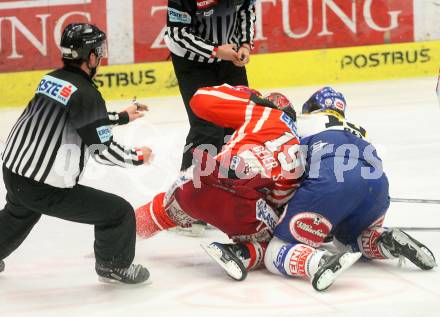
{"x": 2, "y": 266}
{"x": 134, "y": 274}
{"x": 400, "y": 244}
{"x": 331, "y": 266}
{"x": 227, "y": 256}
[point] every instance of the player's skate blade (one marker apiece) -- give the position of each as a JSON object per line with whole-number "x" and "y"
{"x": 332, "y": 267}
{"x": 2, "y": 266}
{"x": 134, "y": 274}
{"x": 399, "y": 243}
{"x": 227, "y": 260}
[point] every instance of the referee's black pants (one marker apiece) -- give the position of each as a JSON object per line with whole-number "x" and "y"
{"x": 192, "y": 76}
{"x": 27, "y": 200}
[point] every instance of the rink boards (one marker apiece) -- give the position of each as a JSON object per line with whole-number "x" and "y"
{"x": 287, "y": 69}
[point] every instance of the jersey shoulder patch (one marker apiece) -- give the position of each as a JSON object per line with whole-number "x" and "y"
{"x": 56, "y": 89}
{"x": 177, "y": 16}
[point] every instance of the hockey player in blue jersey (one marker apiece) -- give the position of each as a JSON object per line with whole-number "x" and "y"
{"x": 344, "y": 195}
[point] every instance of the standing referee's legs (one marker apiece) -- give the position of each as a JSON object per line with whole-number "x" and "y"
{"x": 15, "y": 224}
{"x": 16, "y": 221}
{"x": 113, "y": 216}
{"x": 192, "y": 76}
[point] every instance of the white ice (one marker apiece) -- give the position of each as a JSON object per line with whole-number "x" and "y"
{"x": 52, "y": 273}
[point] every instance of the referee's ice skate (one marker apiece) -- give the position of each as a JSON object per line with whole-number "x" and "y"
{"x": 134, "y": 274}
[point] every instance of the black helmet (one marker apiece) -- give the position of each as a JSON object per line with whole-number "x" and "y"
{"x": 79, "y": 39}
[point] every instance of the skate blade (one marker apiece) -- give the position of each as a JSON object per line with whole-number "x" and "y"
{"x": 106, "y": 280}
{"x": 329, "y": 277}
{"x": 193, "y": 231}
{"x": 231, "y": 268}
{"x": 429, "y": 257}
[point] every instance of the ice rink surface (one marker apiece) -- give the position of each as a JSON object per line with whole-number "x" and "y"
{"x": 52, "y": 273}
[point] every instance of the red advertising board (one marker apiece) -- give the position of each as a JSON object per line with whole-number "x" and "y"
{"x": 289, "y": 25}
{"x": 313, "y": 24}
{"x": 31, "y": 30}
{"x": 149, "y": 29}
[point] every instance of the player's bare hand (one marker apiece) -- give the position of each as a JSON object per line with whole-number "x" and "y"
{"x": 243, "y": 56}
{"x": 227, "y": 52}
{"x": 135, "y": 111}
{"x": 148, "y": 155}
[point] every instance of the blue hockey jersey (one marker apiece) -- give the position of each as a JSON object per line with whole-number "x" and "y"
{"x": 321, "y": 138}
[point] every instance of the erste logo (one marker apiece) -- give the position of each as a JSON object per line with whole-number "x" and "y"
{"x": 56, "y": 89}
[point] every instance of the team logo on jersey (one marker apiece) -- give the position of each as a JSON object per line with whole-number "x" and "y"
{"x": 310, "y": 228}
{"x": 179, "y": 16}
{"x": 104, "y": 133}
{"x": 57, "y": 89}
{"x": 205, "y": 4}
{"x": 266, "y": 214}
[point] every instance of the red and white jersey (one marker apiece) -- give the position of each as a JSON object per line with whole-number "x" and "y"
{"x": 264, "y": 143}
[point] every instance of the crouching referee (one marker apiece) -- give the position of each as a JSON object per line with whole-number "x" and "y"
{"x": 48, "y": 148}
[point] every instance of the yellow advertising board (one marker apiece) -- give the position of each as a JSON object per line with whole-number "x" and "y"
{"x": 314, "y": 67}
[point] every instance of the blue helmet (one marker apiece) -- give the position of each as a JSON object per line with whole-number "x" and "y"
{"x": 325, "y": 99}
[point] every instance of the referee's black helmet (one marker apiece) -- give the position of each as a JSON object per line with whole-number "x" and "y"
{"x": 80, "y": 39}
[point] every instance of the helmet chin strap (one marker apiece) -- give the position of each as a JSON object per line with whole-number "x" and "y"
{"x": 93, "y": 70}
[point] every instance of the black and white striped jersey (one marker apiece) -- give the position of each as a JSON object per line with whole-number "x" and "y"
{"x": 65, "y": 123}
{"x": 196, "y": 27}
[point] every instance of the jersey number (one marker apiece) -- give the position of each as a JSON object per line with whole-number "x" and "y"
{"x": 349, "y": 127}
{"x": 288, "y": 161}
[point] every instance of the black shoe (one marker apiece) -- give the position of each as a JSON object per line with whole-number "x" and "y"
{"x": 134, "y": 274}
{"x": 2, "y": 266}
{"x": 400, "y": 244}
{"x": 331, "y": 266}
{"x": 227, "y": 256}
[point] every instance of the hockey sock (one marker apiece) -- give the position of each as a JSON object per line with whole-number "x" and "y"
{"x": 152, "y": 218}
{"x": 292, "y": 259}
{"x": 367, "y": 244}
{"x": 253, "y": 254}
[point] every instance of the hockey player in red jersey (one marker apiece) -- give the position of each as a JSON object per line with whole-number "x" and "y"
{"x": 240, "y": 189}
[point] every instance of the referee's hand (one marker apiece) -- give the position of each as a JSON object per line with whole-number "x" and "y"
{"x": 227, "y": 52}
{"x": 135, "y": 111}
{"x": 243, "y": 56}
{"x": 147, "y": 154}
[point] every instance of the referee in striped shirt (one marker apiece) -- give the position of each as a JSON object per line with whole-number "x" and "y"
{"x": 47, "y": 151}
{"x": 210, "y": 43}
